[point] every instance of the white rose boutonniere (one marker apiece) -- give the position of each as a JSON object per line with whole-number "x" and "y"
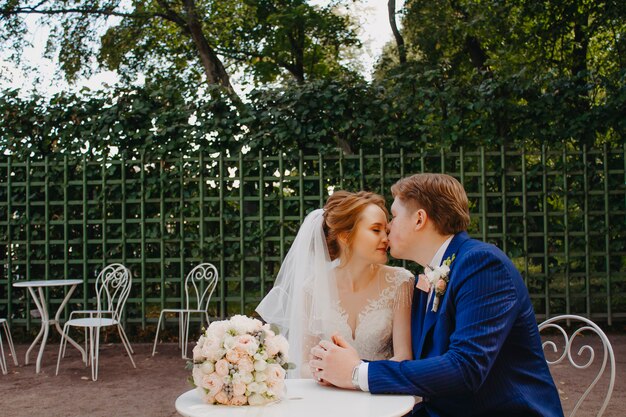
{"x": 439, "y": 278}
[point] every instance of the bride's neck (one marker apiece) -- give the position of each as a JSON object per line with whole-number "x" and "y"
{"x": 354, "y": 275}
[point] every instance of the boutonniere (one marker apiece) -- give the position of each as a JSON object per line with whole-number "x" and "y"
{"x": 439, "y": 278}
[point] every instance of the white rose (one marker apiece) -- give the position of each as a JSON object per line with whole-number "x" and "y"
{"x": 253, "y": 387}
{"x": 197, "y": 353}
{"x": 445, "y": 269}
{"x": 216, "y": 355}
{"x": 207, "y": 367}
{"x": 216, "y": 329}
{"x": 283, "y": 345}
{"x": 205, "y": 396}
{"x": 260, "y": 376}
{"x": 197, "y": 376}
{"x": 246, "y": 378}
{"x": 229, "y": 341}
{"x": 260, "y": 365}
{"x": 256, "y": 399}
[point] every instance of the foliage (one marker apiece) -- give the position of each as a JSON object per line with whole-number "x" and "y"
{"x": 269, "y": 39}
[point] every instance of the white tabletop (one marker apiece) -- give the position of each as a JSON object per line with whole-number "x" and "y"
{"x": 47, "y": 283}
{"x": 305, "y": 398}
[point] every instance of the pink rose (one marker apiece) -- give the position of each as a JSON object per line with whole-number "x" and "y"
{"x": 213, "y": 383}
{"x": 235, "y": 355}
{"x": 247, "y": 343}
{"x": 239, "y": 400}
{"x": 275, "y": 374}
{"x": 221, "y": 367}
{"x": 441, "y": 286}
{"x": 221, "y": 397}
{"x": 246, "y": 365}
{"x": 239, "y": 388}
{"x": 271, "y": 346}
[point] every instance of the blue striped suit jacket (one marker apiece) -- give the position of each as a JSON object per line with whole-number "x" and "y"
{"x": 480, "y": 354}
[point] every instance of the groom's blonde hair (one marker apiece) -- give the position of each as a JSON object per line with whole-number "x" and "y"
{"x": 440, "y": 195}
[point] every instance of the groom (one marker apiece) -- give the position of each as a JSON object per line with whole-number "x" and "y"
{"x": 476, "y": 345}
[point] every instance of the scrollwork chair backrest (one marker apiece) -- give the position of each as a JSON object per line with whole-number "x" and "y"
{"x": 112, "y": 289}
{"x": 199, "y": 286}
{"x": 556, "y": 323}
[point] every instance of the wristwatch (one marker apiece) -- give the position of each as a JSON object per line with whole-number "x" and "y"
{"x": 355, "y": 377}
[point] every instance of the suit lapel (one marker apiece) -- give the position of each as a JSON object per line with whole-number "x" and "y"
{"x": 419, "y": 301}
{"x": 431, "y": 317}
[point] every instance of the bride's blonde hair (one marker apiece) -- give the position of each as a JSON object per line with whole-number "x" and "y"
{"x": 342, "y": 212}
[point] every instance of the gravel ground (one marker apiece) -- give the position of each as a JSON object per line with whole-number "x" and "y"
{"x": 152, "y": 388}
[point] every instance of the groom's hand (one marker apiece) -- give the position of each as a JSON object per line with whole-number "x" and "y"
{"x": 334, "y": 361}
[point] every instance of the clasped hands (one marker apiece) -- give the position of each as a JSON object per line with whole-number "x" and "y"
{"x": 332, "y": 361}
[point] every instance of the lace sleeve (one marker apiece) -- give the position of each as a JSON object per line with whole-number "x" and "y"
{"x": 405, "y": 282}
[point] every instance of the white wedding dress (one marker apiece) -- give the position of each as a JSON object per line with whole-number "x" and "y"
{"x": 372, "y": 322}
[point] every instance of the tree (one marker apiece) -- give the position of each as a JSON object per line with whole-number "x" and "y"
{"x": 267, "y": 37}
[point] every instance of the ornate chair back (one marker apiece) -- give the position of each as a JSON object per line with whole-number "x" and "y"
{"x": 199, "y": 286}
{"x": 112, "y": 289}
{"x": 578, "y": 362}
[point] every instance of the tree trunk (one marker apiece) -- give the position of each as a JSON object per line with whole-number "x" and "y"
{"x": 477, "y": 55}
{"x": 213, "y": 66}
{"x": 391, "y": 8}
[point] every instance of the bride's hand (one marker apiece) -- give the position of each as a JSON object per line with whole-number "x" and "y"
{"x": 313, "y": 373}
{"x": 334, "y": 362}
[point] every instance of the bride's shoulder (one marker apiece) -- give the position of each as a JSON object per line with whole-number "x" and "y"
{"x": 396, "y": 274}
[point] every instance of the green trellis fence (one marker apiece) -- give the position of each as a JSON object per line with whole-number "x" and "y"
{"x": 560, "y": 214}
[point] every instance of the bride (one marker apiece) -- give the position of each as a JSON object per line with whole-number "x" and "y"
{"x": 334, "y": 281}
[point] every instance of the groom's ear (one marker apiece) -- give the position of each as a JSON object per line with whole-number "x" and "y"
{"x": 420, "y": 219}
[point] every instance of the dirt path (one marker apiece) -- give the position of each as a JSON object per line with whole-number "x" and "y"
{"x": 152, "y": 388}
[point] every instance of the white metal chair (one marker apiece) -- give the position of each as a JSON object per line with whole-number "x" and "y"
{"x": 112, "y": 289}
{"x": 196, "y": 301}
{"x": 3, "y": 362}
{"x": 608, "y": 356}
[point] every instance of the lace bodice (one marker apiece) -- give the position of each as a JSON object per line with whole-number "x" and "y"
{"x": 373, "y": 332}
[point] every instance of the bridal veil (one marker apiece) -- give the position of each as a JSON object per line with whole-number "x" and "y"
{"x": 304, "y": 293}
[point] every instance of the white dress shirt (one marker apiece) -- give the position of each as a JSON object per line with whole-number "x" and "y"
{"x": 436, "y": 261}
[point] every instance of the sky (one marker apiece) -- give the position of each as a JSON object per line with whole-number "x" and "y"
{"x": 373, "y": 24}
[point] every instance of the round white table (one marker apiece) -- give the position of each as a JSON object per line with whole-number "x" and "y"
{"x": 305, "y": 398}
{"x": 42, "y": 305}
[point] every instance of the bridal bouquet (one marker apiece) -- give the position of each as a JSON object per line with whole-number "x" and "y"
{"x": 240, "y": 361}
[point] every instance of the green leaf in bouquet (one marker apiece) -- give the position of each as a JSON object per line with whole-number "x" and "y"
{"x": 289, "y": 366}
{"x": 275, "y": 328}
{"x": 189, "y": 366}
{"x": 190, "y": 380}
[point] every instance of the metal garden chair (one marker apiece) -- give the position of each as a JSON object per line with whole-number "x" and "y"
{"x": 112, "y": 289}
{"x": 608, "y": 356}
{"x": 199, "y": 286}
{"x": 3, "y": 362}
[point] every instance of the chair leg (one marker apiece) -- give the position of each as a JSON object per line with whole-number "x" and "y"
{"x": 10, "y": 342}
{"x": 126, "y": 344}
{"x": 181, "y": 326}
{"x": 125, "y": 339}
{"x": 186, "y": 336}
{"x": 62, "y": 347}
{"x": 156, "y": 337}
{"x": 94, "y": 347}
{"x": 3, "y": 362}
